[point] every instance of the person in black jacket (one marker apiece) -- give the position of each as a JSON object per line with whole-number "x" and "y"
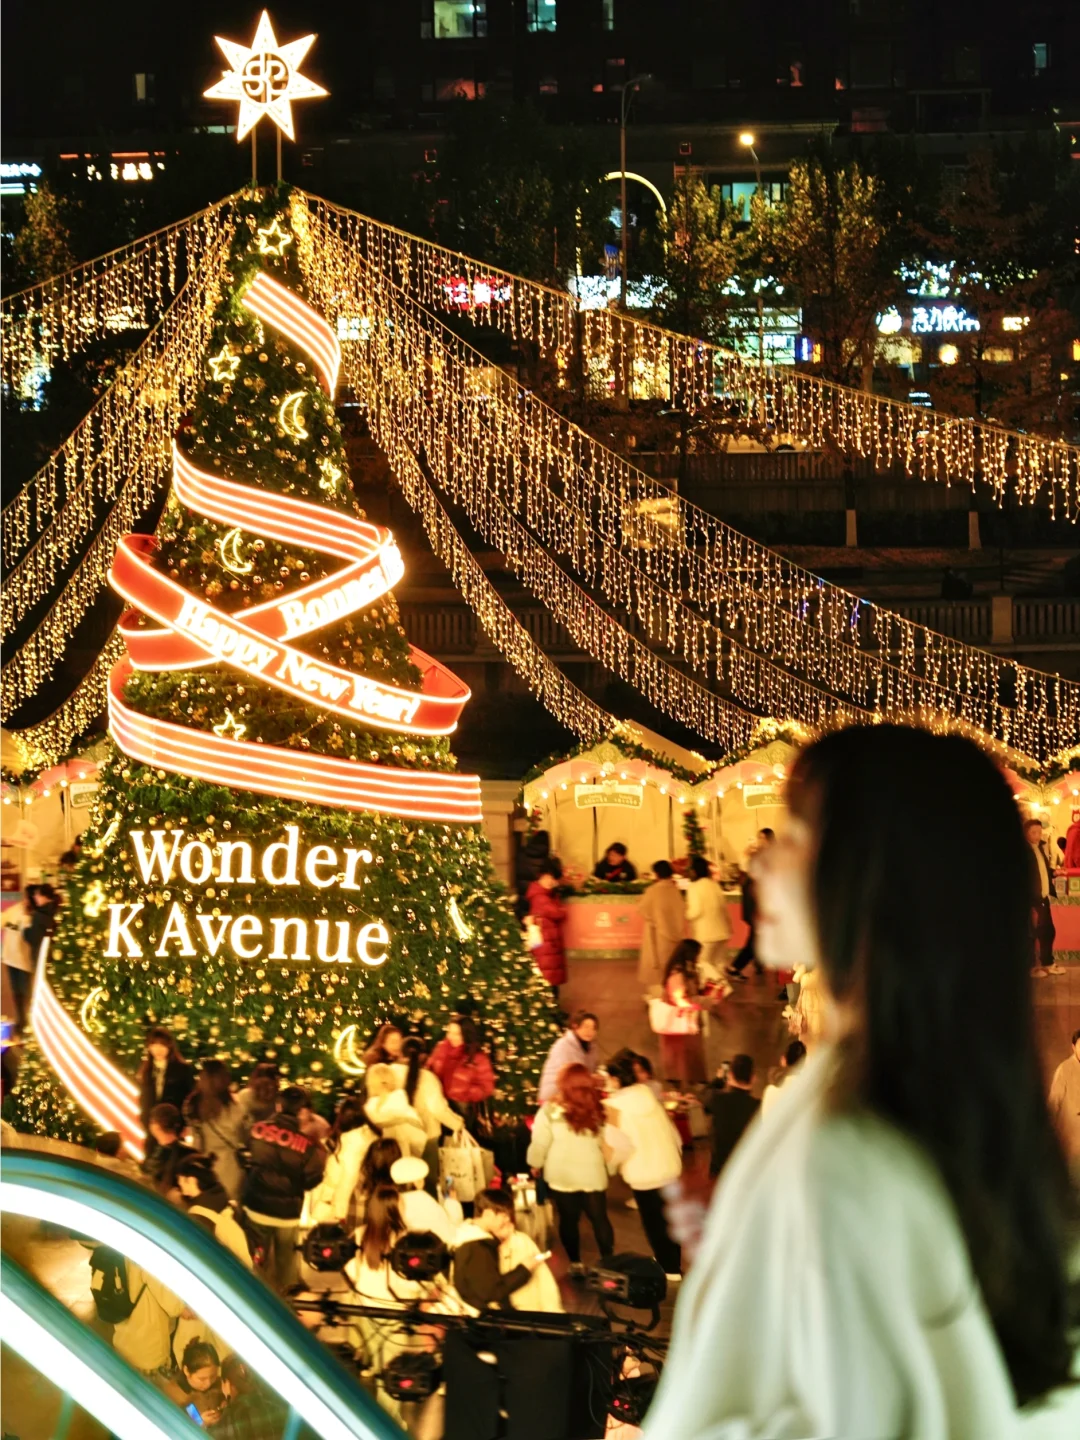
{"x": 284, "y": 1162}
{"x": 536, "y": 849}
{"x": 477, "y": 1276}
{"x": 160, "y": 1165}
{"x": 41, "y": 905}
{"x": 731, "y": 1107}
{"x": 165, "y": 1077}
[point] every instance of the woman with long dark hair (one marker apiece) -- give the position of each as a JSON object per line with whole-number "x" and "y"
{"x": 675, "y": 1017}
{"x": 335, "y": 1198}
{"x": 217, "y": 1123}
{"x": 258, "y": 1099}
{"x": 385, "y": 1048}
{"x": 165, "y": 1077}
{"x": 375, "y": 1170}
{"x": 424, "y": 1092}
{"x": 893, "y": 1239}
{"x": 566, "y": 1148}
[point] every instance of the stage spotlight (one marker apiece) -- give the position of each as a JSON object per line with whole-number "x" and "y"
{"x": 328, "y": 1247}
{"x": 413, "y": 1375}
{"x": 631, "y": 1397}
{"x": 419, "y": 1255}
{"x": 633, "y": 1280}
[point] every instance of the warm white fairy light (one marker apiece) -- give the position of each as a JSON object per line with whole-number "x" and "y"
{"x": 775, "y": 637}
{"x": 647, "y": 361}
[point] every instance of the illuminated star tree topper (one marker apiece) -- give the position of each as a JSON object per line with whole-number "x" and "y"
{"x": 265, "y": 78}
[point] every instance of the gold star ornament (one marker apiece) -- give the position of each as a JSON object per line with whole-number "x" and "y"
{"x": 272, "y": 239}
{"x": 265, "y": 78}
{"x": 224, "y": 365}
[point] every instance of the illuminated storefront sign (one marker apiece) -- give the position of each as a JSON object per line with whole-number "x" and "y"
{"x": 941, "y": 320}
{"x": 608, "y": 792}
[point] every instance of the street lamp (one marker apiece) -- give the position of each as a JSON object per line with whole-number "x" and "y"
{"x": 747, "y": 139}
{"x": 629, "y": 89}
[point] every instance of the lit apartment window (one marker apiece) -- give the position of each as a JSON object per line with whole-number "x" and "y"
{"x": 1040, "y": 57}
{"x": 454, "y": 20}
{"x": 608, "y": 14}
{"x": 540, "y": 15}
{"x": 143, "y": 88}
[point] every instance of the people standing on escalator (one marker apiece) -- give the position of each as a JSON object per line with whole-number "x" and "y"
{"x": 284, "y": 1164}
{"x": 251, "y": 1410}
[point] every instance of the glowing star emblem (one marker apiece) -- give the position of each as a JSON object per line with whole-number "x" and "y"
{"x": 230, "y": 726}
{"x": 94, "y": 899}
{"x": 331, "y": 474}
{"x": 265, "y": 78}
{"x": 272, "y": 239}
{"x": 224, "y": 365}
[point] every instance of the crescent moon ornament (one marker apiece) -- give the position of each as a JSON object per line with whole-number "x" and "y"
{"x": 345, "y": 1056}
{"x": 228, "y": 548}
{"x": 88, "y": 1011}
{"x": 289, "y": 417}
{"x": 464, "y": 931}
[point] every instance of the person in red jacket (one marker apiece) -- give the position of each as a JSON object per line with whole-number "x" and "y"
{"x": 549, "y": 912}
{"x": 463, "y": 1068}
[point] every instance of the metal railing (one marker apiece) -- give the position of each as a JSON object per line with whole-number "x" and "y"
{"x": 142, "y": 1226}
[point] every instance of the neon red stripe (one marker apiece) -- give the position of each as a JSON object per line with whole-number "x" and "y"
{"x": 108, "y": 1096}
{"x": 271, "y": 770}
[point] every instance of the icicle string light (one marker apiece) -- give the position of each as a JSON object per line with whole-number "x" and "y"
{"x": 125, "y": 289}
{"x": 604, "y": 349}
{"x": 691, "y": 583}
{"x": 134, "y": 423}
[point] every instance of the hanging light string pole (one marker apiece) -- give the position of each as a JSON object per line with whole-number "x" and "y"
{"x": 264, "y": 77}
{"x": 629, "y": 89}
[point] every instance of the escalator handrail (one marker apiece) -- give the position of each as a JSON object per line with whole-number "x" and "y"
{"x": 232, "y": 1301}
{"x": 31, "y": 1309}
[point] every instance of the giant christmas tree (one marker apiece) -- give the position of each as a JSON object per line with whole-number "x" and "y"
{"x": 282, "y": 848}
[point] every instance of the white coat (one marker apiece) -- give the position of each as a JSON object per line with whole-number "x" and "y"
{"x": 429, "y": 1101}
{"x": 832, "y": 1295}
{"x": 331, "y": 1200}
{"x": 570, "y": 1159}
{"x": 144, "y": 1339}
{"x": 645, "y": 1143}
{"x": 421, "y": 1211}
{"x": 707, "y": 912}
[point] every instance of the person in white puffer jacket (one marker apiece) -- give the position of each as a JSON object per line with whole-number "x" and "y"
{"x": 645, "y": 1145}
{"x": 567, "y": 1148}
{"x": 334, "y": 1199}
